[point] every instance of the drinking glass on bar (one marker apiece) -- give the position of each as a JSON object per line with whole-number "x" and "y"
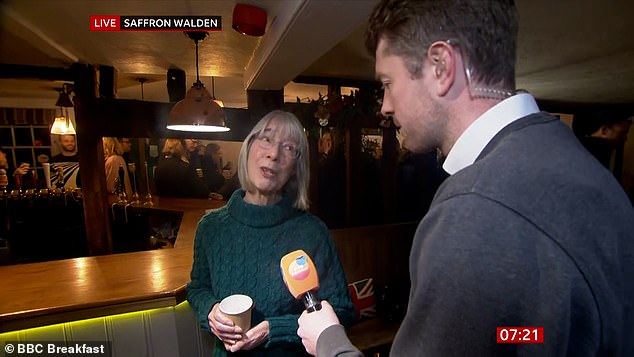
{"x": 135, "y": 192}
{"x": 148, "y": 197}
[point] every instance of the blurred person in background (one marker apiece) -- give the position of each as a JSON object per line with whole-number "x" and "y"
{"x": 174, "y": 176}
{"x": 66, "y": 164}
{"x": 69, "y": 149}
{"x": 126, "y": 146}
{"x": 195, "y": 152}
{"x": 212, "y": 167}
{"x": 112, "y": 152}
{"x": 20, "y": 171}
{"x": 604, "y": 136}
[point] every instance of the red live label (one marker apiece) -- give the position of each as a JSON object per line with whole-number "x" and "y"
{"x": 104, "y": 23}
{"x": 521, "y": 334}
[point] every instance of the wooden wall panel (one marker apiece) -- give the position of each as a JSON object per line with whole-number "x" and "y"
{"x": 128, "y": 333}
{"x": 52, "y": 333}
{"x": 378, "y": 252}
{"x": 87, "y": 330}
{"x": 192, "y": 341}
{"x": 164, "y": 332}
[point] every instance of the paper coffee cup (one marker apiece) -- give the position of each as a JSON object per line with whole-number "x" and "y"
{"x": 238, "y": 308}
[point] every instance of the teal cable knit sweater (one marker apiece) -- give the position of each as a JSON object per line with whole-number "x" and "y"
{"x": 237, "y": 250}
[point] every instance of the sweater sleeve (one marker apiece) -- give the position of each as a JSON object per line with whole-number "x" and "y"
{"x": 333, "y": 342}
{"x": 475, "y": 266}
{"x": 282, "y": 330}
{"x": 199, "y": 291}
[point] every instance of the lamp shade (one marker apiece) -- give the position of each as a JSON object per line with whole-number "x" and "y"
{"x": 197, "y": 112}
{"x": 63, "y": 125}
{"x": 213, "y": 94}
{"x": 220, "y": 103}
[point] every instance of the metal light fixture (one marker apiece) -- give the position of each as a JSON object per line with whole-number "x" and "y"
{"x": 62, "y": 124}
{"x": 197, "y": 111}
{"x": 141, "y": 80}
{"x": 213, "y": 94}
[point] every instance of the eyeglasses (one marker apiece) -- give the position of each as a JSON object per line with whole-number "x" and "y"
{"x": 288, "y": 149}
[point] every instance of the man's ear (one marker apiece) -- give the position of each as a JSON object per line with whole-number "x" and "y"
{"x": 442, "y": 57}
{"x": 604, "y": 131}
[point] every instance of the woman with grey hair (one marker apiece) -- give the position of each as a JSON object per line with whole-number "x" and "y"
{"x": 238, "y": 247}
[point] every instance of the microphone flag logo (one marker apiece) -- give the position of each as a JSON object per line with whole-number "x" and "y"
{"x": 299, "y": 269}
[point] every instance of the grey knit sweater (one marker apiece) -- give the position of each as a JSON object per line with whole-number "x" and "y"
{"x": 535, "y": 233}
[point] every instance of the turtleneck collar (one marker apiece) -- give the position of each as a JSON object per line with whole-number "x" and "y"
{"x": 259, "y": 216}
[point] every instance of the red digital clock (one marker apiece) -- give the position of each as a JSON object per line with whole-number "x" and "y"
{"x": 522, "y": 334}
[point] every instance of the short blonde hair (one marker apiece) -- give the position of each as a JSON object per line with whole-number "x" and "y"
{"x": 297, "y": 186}
{"x": 111, "y": 146}
{"x": 174, "y": 147}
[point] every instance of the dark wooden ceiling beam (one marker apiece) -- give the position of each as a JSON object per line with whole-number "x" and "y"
{"x": 551, "y": 106}
{"x": 341, "y": 82}
{"x": 17, "y": 71}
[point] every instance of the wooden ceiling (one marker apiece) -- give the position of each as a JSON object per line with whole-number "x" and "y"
{"x": 573, "y": 51}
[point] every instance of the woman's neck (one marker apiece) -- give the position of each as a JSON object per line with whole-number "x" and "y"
{"x": 261, "y": 199}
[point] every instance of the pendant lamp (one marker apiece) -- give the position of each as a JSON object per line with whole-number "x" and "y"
{"x": 213, "y": 94}
{"x": 62, "y": 124}
{"x": 141, "y": 80}
{"x": 197, "y": 112}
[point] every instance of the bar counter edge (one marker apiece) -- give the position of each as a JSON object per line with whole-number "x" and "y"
{"x": 46, "y": 293}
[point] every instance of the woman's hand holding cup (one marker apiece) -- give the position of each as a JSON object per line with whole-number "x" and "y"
{"x": 223, "y": 327}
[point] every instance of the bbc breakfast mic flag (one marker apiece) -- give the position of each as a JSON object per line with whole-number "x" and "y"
{"x": 155, "y": 23}
{"x": 301, "y": 279}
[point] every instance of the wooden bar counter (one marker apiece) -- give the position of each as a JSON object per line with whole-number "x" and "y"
{"x": 52, "y": 292}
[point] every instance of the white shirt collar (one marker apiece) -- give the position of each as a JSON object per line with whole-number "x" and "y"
{"x": 475, "y": 138}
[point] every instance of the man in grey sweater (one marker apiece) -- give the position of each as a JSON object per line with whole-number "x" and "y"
{"x": 529, "y": 232}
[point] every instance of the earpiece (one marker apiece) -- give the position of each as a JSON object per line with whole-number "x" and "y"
{"x": 440, "y": 67}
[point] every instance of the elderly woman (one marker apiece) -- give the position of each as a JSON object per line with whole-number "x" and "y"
{"x": 238, "y": 247}
{"x": 112, "y": 152}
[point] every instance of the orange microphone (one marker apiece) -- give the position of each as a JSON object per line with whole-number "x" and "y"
{"x": 300, "y": 277}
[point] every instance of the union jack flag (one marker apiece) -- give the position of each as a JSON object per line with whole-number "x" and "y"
{"x": 362, "y": 294}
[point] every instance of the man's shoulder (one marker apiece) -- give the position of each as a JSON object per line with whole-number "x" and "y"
{"x": 536, "y": 164}
{"x": 534, "y": 149}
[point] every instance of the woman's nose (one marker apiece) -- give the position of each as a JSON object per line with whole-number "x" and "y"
{"x": 274, "y": 152}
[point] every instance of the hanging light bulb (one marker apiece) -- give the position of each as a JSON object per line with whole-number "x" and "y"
{"x": 62, "y": 124}
{"x": 197, "y": 111}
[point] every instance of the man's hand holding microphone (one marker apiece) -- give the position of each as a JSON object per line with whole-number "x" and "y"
{"x": 300, "y": 276}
